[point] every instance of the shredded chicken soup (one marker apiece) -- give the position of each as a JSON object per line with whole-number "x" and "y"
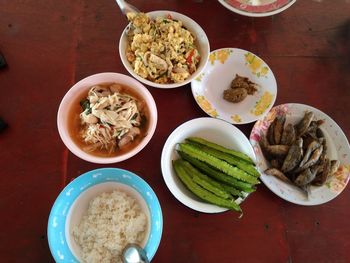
{"x": 109, "y": 120}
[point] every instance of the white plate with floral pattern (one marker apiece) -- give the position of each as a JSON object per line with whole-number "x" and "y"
{"x": 221, "y": 69}
{"x": 337, "y": 148}
{"x": 257, "y": 8}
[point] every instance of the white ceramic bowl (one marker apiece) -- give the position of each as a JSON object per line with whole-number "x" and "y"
{"x": 72, "y": 203}
{"x": 259, "y": 8}
{"x": 81, "y": 87}
{"x": 202, "y": 44}
{"x": 215, "y": 130}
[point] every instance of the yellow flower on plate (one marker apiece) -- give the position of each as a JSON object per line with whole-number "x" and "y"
{"x": 206, "y": 106}
{"x": 264, "y": 71}
{"x": 212, "y": 57}
{"x": 236, "y": 118}
{"x": 256, "y": 65}
{"x": 223, "y": 55}
{"x": 264, "y": 102}
{"x": 200, "y": 76}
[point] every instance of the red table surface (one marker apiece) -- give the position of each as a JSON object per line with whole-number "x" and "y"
{"x": 49, "y": 45}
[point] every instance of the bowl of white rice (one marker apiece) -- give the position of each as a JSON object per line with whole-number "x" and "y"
{"x": 99, "y": 213}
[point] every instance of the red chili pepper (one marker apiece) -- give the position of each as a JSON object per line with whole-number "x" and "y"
{"x": 189, "y": 58}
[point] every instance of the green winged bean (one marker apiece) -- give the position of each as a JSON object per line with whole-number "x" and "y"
{"x": 217, "y": 163}
{"x": 247, "y": 167}
{"x": 221, "y": 148}
{"x": 205, "y": 181}
{"x": 201, "y": 192}
{"x": 217, "y": 175}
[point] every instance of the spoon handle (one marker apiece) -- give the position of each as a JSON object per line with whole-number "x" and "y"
{"x": 125, "y": 7}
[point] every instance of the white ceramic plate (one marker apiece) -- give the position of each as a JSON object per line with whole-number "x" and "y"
{"x": 337, "y": 148}
{"x": 214, "y": 130}
{"x": 221, "y": 69}
{"x": 257, "y": 8}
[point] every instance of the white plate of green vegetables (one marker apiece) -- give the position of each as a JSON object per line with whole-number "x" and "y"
{"x": 208, "y": 165}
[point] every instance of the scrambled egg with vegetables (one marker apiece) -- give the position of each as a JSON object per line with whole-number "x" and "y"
{"x": 161, "y": 50}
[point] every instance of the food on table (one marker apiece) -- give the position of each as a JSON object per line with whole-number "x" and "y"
{"x": 110, "y": 120}
{"x": 214, "y": 173}
{"x": 235, "y": 95}
{"x": 112, "y": 220}
{"x": 161, "y": 50}
{"x": 245, "y": 83}
{"x": 240, "y": 88}
{"x": 298, "y": 153}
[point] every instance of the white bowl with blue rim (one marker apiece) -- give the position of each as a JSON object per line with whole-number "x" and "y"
{"x": 73, "y": 201}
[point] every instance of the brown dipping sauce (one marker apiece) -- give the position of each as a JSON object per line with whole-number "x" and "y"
{"x": 75, "y": 126}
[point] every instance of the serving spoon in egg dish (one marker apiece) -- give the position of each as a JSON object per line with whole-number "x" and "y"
{"x": 126, "y": 8}
{"x": 133, "y": 253}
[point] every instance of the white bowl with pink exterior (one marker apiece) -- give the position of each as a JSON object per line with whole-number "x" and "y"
{"x": 84, "y": 85}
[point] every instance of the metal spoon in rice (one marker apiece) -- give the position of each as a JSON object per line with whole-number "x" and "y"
{"x": 133, "y": 253}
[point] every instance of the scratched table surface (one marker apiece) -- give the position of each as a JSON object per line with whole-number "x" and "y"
{"x": 49, "y": 45}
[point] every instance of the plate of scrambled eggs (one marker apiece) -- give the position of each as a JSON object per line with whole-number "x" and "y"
{"x": 163, "y": 49}
{"x": 236, "y": 86}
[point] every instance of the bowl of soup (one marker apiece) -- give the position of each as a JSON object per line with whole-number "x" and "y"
{"x": 163, "y": 49}
{"x": 107, "y": 118}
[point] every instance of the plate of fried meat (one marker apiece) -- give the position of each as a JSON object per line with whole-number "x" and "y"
{"x": 302, "y": 154}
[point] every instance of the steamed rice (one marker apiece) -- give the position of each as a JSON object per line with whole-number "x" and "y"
{"x": 112, "y": 221}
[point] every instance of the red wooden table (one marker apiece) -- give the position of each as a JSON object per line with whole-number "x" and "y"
{"x": 49, "y": 45}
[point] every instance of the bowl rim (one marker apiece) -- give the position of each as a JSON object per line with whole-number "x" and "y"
{"x": 244, "y": 13}
{"x": 72, "y": 93}
{"x": 126, "y": 63}
{"x": 166, "y": 158}
{"x": 56, "y": 232}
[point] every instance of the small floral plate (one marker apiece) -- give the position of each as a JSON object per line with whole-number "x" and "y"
{"x": 337, "y": 148}
{"x": 221, "y": 69}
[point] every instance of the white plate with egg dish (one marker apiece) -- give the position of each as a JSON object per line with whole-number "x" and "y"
{"x": 236, "y": 86}
{"x": 257, "y": 8}
{"x": 209, "y": 165}
{"x": 302, "y": 154}
{"x": 163, "y": 49}
{"x": 107, "y": 118}
{"x": 99, "y": 213}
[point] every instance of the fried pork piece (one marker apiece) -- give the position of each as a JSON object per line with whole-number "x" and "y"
{"x": 271, "y": 151}
{"x": 304, "y": 124}
{"x": 278, "y": 128}
{"x": 294, "y": 156}
{"x": 240, "y": 88}
{"x": 288, "y": 135}
{"x": 245, "y": 83}
{"x": 235, "y": 95}
{"x": 297, "y": 153}
{"x": 277, "y": 173}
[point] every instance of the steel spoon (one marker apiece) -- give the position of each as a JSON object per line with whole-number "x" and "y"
{"x": 133, "y": 253}
{"x": 125, "y": 7}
